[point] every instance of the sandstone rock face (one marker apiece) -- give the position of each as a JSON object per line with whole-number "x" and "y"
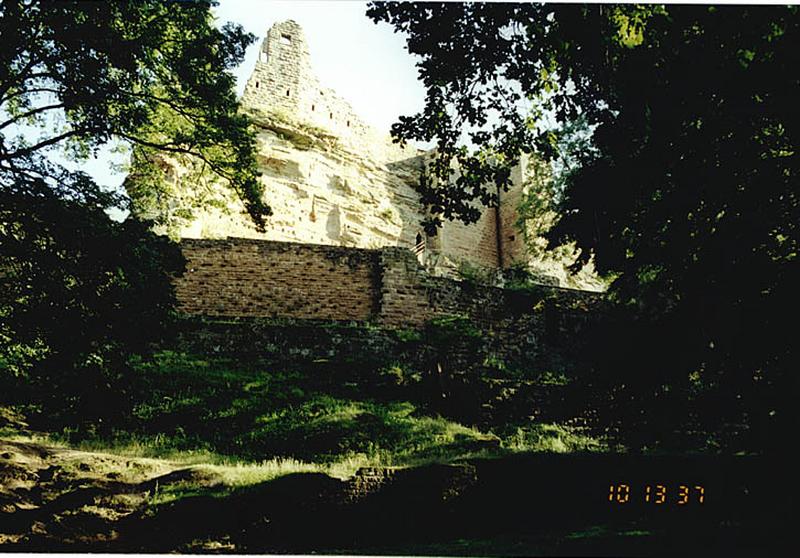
{"x": 331, "y": 179}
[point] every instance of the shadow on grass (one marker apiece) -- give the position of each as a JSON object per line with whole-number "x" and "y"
{"x": 521, "y": 504}
{"x": 253, "y": 412}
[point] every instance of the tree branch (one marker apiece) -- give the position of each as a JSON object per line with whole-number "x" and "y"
{"x": 31, "y": 113}
{"x": 172, "y": 148}
{"x": 177, "y": 108}
{"x": 16, "y": 79}
{"x": 42, "y": 144}
{"x": 27, "y": 92}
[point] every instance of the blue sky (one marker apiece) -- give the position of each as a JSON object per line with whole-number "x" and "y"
{"x": 365, "y": 63}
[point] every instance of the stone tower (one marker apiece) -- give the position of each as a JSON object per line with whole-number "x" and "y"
{"x": 282, "y": 76}
{"x": 283, "y": 84}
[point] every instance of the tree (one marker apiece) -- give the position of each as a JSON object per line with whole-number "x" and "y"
{"x": 689, "y": 196}
{"x": 94, "y": 71}
{"x": 79, "y": 293}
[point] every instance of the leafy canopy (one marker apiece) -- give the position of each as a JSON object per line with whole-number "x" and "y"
{"x": 84, "y": 73}
{"x": 688, "y": 194}
{"x": 80, "y": 293}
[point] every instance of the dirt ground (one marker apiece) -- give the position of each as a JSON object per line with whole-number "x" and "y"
{"x": 57, "y": 499}
{"x": 53, "y": 498}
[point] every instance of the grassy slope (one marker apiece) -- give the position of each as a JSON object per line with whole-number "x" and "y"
{"x": 211, "y": 426}
{"x": 229, "y": 412}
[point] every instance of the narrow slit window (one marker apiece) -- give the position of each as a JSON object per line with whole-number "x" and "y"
{"x": 287, "y": 93}
{"x": 348, "y": 123}
{"x": 256, "y": 85}
{"x": 330, "y": 116}
{"x": 312, "y": 108}
{"x": 419, "y": 247}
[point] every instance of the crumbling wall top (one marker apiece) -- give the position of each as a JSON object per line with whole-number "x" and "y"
{"x": 283, "y": 85}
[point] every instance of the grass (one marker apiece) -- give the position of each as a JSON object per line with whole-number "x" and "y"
{"x": 239, "y": 424}
{"x": 217, "y": 409}
{"x": 553, "y": 438}
{"x": 212, "y": 410}
{"x": 204, "y": 431}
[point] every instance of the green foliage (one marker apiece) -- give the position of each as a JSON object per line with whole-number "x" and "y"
{"x": 481, "y": 63}
{"x": 154, "y": 75}
{"x": 221, "y": 407}
{"x": 442, "y": 331}
{"x": 408, "y": 335}
{"x": 78, "y": 294}
{"x": 519, "y": 278}
{"x": 474, "y": 274}
{"x": 553, "y": 378}
{"x": 686, "y": 194}
{"x": 169, "y": 191}
{"x": 81, "y": 293}
{"x": 552, "y": 438}
{"x": 193, "y": 409}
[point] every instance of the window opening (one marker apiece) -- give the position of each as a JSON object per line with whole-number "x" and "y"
{"x": 286, "y": 39}
{"x": 419, "y": 248}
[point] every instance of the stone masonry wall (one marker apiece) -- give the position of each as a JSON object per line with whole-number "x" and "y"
{"x": 511, "y": 240}
{"x": 283, "y": 83}
{"x": 265, "y": 279}
{"x": 255, "y": 278}
{"x": 405, "y": 287}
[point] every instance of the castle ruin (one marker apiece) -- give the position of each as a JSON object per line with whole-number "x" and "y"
{"x": 332, "y": 180}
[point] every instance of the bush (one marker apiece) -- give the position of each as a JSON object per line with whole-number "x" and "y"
{"x": 79, "y": 294}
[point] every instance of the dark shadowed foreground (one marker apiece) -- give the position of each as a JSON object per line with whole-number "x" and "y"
{"x": 528, "y": 504}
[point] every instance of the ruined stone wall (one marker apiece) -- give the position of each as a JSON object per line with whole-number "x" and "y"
{"x": 331, "y": 179}
{"x": 252, "y": 278}
{"x": 404, "y": 289}
{"x": 328, "y": 177}
{"x": 284, "y": 84}
{"x": 475, "y": 243}
{"x": 266, "y": 279}
{"x": 512, "y": 241}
